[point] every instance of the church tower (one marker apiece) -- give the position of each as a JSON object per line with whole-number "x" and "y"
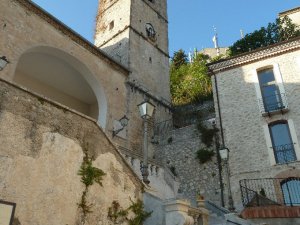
{"x": 135, "y": 33}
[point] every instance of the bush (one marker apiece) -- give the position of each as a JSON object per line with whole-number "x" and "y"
{"x": 204, "y": 155}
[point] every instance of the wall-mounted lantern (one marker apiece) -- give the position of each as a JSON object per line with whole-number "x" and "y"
{"x": 146, "y": 109}
{"x": 123, "y": 122}
{"x": 3, "y": 62}
{"x": 224, "y": 153}
{"x": 7, "y": 212}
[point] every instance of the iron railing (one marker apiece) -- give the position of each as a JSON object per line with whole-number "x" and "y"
{"x": 272, "y": 103}
{"x": 270, "y": 191}
{"x": 284, "y": 153}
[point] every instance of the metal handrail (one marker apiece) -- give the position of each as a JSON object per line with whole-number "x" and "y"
{"x": 284, "y": 153}
{"x": 233, "y": 222}
{"x": 270, "y": 191}
{"x": 272, "y": 103}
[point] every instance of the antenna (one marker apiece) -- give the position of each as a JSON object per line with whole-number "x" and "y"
{"x": 242, "y": 33}
{"x": 190, "y": 57}
{"x": 215, "y": 40}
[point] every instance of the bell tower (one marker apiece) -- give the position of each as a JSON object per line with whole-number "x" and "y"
{"x": 135, "y": 33}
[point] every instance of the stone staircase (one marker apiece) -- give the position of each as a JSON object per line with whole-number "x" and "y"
{"x": 163, "y": 183}
{"x": 161, "y": 196}
{"x": 221, "y": 216}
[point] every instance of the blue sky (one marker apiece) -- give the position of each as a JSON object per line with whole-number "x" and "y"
{"x": 191, "y": 22}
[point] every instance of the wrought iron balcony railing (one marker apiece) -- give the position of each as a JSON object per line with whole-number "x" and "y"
{"x": 284, "y": 153}
{"x": 273, "y": 103}
{"x": 270, "y": 191}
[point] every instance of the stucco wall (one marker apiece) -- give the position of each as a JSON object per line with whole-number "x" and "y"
{"x": 40, "y": 155}
{"x": 244, "y": 124}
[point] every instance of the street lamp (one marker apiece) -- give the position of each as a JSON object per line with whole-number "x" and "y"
{"x": 224, "y": 154}
{"x": 3, "y": 62}
{"x": 146, "y": 112}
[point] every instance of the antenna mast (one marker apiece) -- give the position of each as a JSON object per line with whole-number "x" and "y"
{"x": 215, "y": 40}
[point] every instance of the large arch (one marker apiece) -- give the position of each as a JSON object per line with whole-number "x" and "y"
{"x": 60, "y": 76}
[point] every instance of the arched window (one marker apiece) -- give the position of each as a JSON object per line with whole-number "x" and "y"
{"x": 282, "y": 143}
{"x": 291, "y": 191}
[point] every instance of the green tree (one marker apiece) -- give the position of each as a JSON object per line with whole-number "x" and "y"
{"x": 179, "y": 58}
{"x": 190, "y": 81}
{"x": 281, "y": 30}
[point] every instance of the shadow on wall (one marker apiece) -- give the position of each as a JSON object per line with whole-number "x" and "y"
{"x": 63, "y": 78}
{"x": 118, "y": 51}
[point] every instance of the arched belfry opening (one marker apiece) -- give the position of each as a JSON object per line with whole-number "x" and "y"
{"x": 61, "y": 77}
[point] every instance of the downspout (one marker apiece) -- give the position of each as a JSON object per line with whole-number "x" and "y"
{"x": 219, "y": 110}
{"x": 218, "y": 144}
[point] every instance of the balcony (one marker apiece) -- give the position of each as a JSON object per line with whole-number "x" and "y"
{"x": 270, "y": 192}
{"x": 273, "y": 104}
{"x": 271, "y": 198}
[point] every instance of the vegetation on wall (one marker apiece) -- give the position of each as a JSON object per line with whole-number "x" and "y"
{"x": 281, "y": 30}
{"x": 89, "y": 176}
{"x": 173, "y": 170}
{"x": 136, "y": 211}
{"x": 116, "y": 213}
{"x": 190, "y": 82}
{"x": 204, "y": 155}
{"x": 207, "y": 136}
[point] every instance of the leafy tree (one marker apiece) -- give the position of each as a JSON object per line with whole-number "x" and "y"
{"x": 189, "y": 81}
{"x": 281, "y": 30}
{"x": 179, "y": 59}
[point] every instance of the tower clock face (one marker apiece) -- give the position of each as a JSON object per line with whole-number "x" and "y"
{"x": 150, "y": 31}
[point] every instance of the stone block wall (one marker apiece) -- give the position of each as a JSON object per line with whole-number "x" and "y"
{"x": 178, "y": 152}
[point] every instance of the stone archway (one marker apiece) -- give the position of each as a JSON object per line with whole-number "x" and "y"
{"x": 61, "y": 77}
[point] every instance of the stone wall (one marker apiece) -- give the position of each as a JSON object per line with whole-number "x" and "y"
{"x": 244, "y": 125}
{"x": 178, "y": 152}
{"x": 41, "y": 153}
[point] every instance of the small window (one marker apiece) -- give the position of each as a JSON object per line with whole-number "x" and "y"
{"x": 282, "y": 143}
{"x": 111, "y": 25}
{"x": 271, "y": 96}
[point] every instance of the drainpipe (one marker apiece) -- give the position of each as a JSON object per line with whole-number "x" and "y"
{"x": 219, "y": 110}
{"x": 217, "y": 143}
